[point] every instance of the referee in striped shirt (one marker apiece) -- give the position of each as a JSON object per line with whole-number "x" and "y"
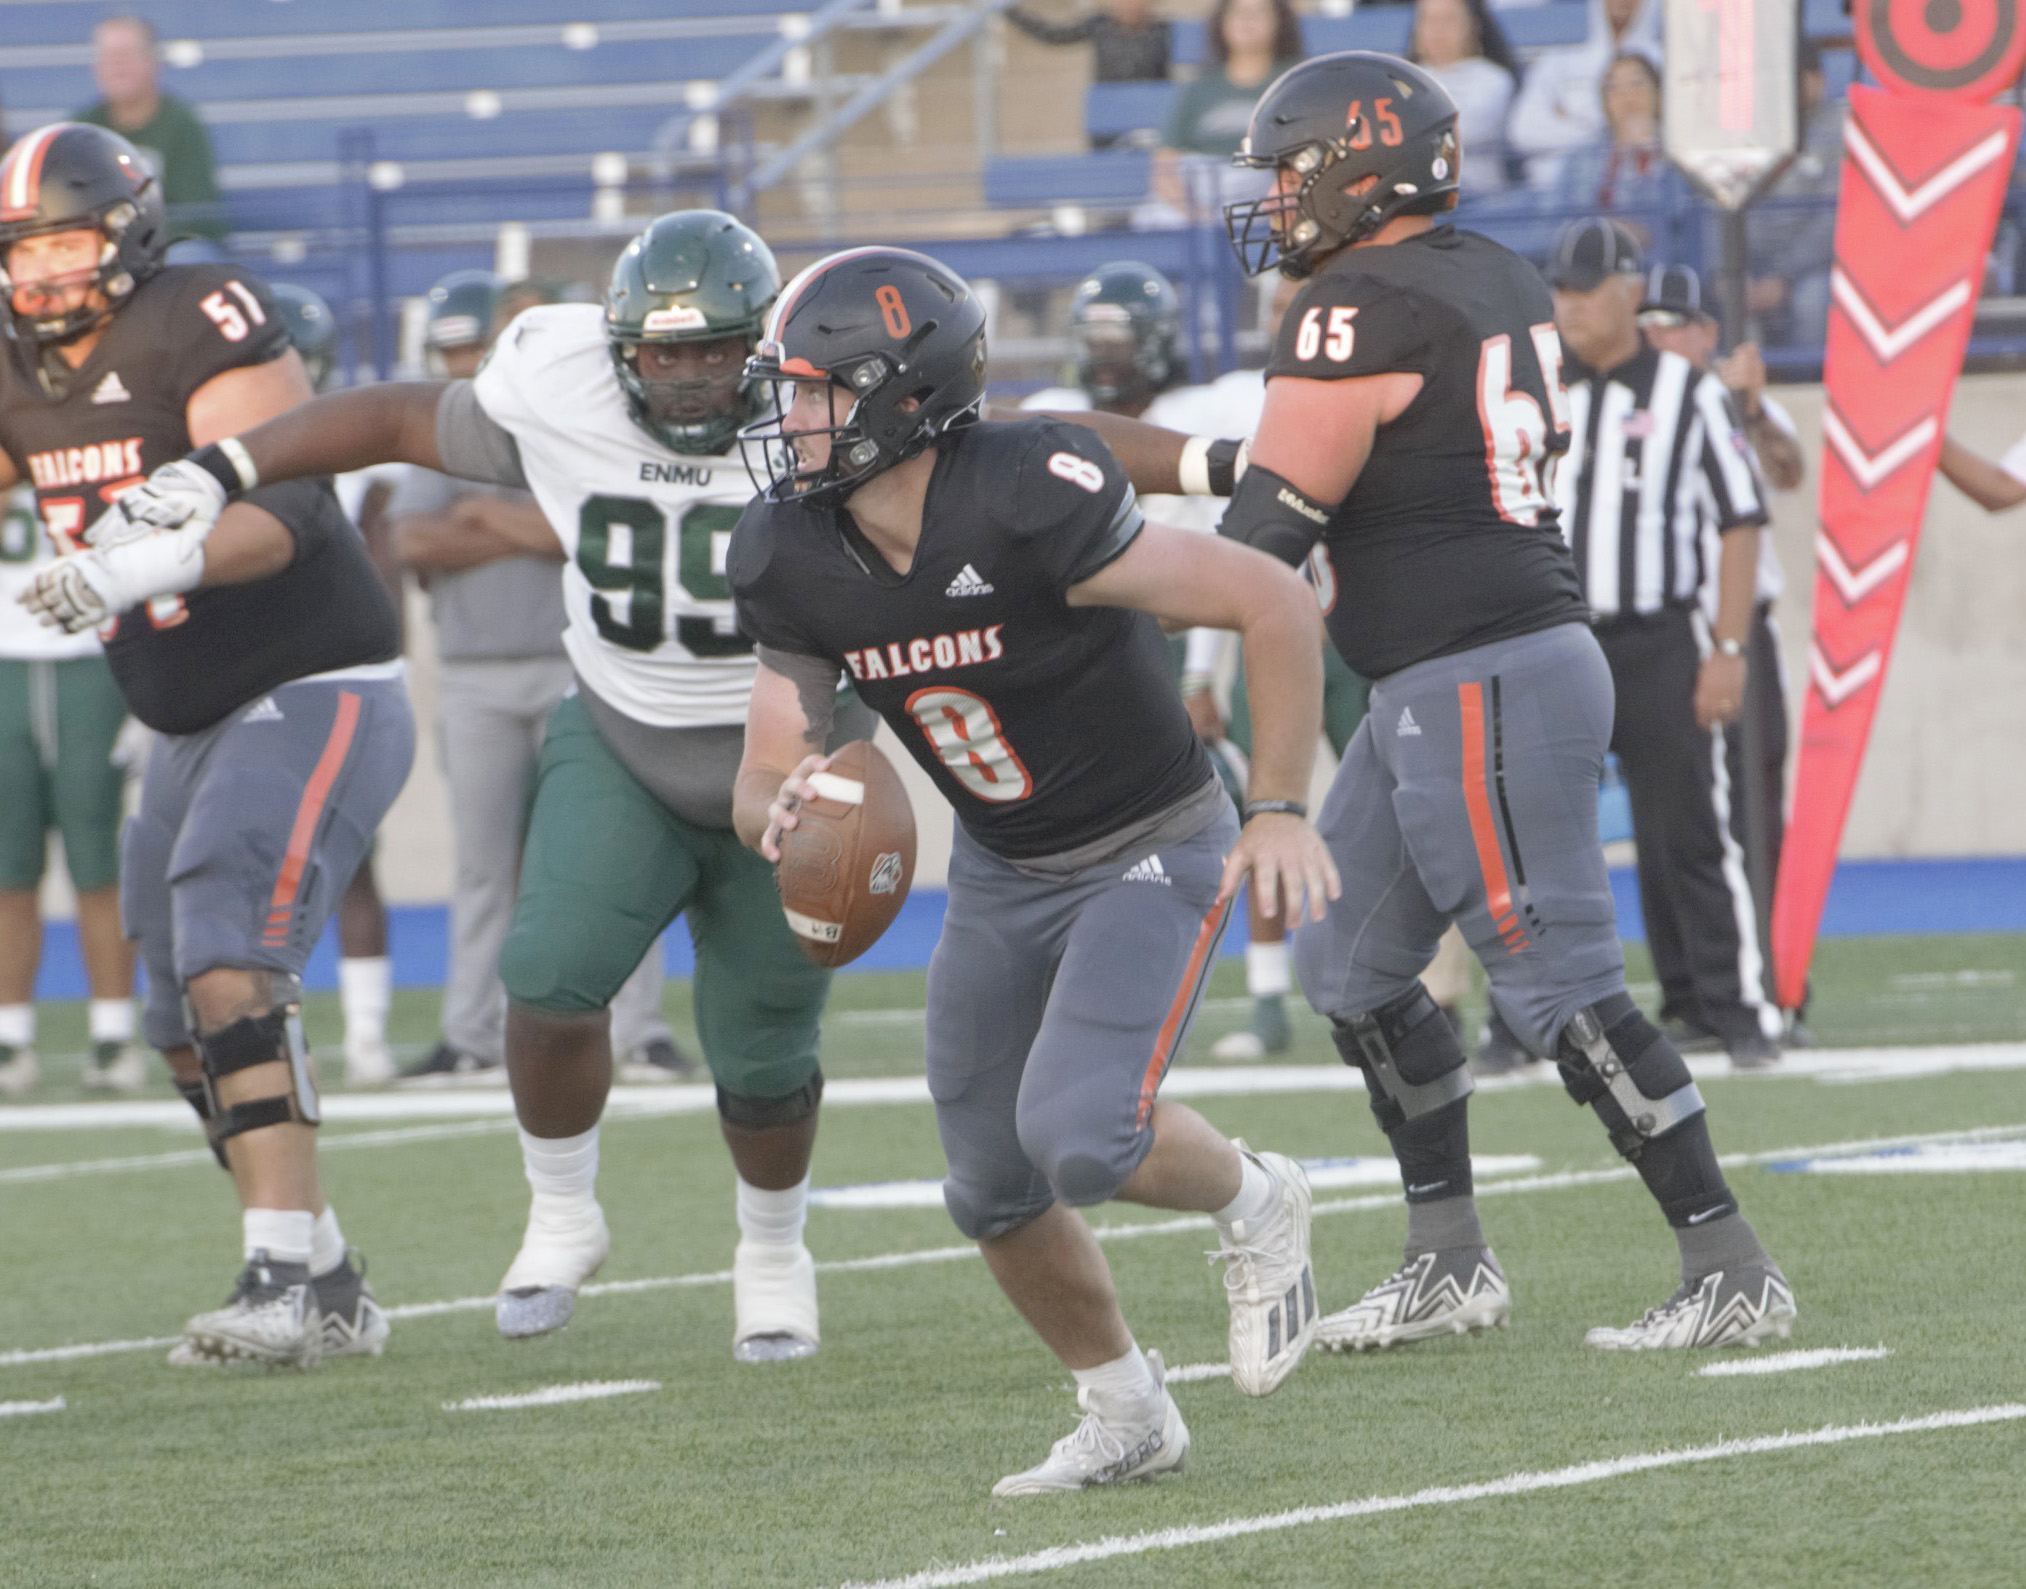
{"x": 1655, "y": 445}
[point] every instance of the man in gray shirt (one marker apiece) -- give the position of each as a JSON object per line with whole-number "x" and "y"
{"x": 493, "y": 567}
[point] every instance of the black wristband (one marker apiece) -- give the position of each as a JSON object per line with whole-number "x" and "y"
{"x": 1260, "y": 808}
{"x": 1221, "y": 460}
{"x": 215, "y": 461}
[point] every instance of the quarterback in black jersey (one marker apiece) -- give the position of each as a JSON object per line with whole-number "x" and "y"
{"x": 992, "y": 591}
{"x": 1415, "y": 411}
{"x": 264, "y": 655}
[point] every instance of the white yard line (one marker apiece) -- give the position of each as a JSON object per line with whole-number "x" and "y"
{"x": 1121, "y": 1231}
{"x": 1829, "y": 1065}
{"x": 1789, "y": 1362}
{"x": 1078, "y": 1555}
{"x": 21, "y": 1409}
{"x": 555, "y": 1395}
{"x": 326, "y": 1144}
{"x": 1189, "y": 1373}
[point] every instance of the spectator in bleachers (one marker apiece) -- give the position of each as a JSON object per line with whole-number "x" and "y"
{"x": 1461, "y": 46}
{"x": 1792, "y": 233}
{"x": 1129, "y": 44}
{"x": 127, "y": 64}
{"x": 1559, "y": 108}
{"x": 1627, "y": 173}
{"x": 1251, "y": 42}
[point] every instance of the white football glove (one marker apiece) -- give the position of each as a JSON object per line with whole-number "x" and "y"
{"x": 83, "y": 590}
{"x": 176, "y": 495}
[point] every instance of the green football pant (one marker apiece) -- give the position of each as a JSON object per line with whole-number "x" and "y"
{"x": 608, "y": 867}
{"x": 58, "y": 723}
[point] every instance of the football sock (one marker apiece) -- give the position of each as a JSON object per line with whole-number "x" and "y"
{"x": 1257, "y": 1194}
{"x": 284, "y": 1234}
{"x": 327, "y": 1243}
{"x": 1121, "y": 1387}
{"x": 1266, "y": 970}
{"x": 1438, "y": 1226}
{"x": 1725, "y": 1243}
{"x": 112, "y": 1021}
{"x": 365, "y": 992}
{"x": 773, "y": 1219}
{"x": 17, "y": 1025}
{"x": 562, "y": 1172}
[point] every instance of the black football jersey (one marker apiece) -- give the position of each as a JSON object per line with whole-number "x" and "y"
{"x": 185, "y": 662}
{"x": 1449, "y": 539}
{"x": 1048, "y": 726}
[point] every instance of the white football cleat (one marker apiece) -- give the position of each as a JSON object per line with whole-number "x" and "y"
{"x": 20, "y": 1070}
{"x": 115, "y": 1067}
{"x": 1454, "y": 1292}
{"x": 271, "y": 1317}
{"x": 773, "y": 1303}
{"x": 1104, "y": 1451}
{"x": 539, "y": 1293}
{"x": 1727, "y": 1307}
{"x": 1269, "y": 1282}
{"x": 369, "y": 1062}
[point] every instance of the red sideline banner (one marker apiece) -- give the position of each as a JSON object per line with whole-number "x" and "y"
{"x": 1924, "y": 175}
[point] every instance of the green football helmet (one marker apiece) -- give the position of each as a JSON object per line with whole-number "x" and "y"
{"x": 1127, "y": 323}
{"x": 462, "y": 307}
{"x": 693, "y": 276}
{"x": 312, "y": 328}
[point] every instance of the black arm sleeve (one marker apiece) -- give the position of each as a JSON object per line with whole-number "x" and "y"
{"x": 1269, "y": 514}
{"x": 308, "y": 510}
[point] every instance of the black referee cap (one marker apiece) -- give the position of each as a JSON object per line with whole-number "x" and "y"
{"x": 1589, "y": 253}
{"x": 1675, "y": 290}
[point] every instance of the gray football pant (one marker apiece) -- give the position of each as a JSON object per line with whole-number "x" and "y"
{"x": 490, "y": 717}
{"x": 1054, "y": 1010}
{"x": 1469, "y": 794}
{"x": 249, "y": 831}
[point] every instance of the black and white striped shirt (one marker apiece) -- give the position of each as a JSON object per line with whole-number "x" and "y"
{"x": 1654, "y": 449}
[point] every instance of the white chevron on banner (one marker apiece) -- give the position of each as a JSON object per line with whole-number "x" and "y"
{"x": 1853, "y": 585}
{"x": 1838, "y": 687}
{"x": 1909, "y": 205}
{"x": 1870, "y": 468}
{"x": 1890, "y": 344}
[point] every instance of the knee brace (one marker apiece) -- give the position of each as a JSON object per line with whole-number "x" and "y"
{"x": 198, "y": 1096}
{"x": 1408, "y": 1051}
{"x": 275, "y": 1037}
{"x": 1615, "y": 1060}
{"x": 764, "y": 1114}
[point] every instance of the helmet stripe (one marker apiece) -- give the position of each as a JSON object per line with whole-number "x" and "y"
{"x": 21, "y": 176}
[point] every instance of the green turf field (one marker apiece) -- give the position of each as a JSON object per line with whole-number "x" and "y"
{"x": 1514, "y": 1459}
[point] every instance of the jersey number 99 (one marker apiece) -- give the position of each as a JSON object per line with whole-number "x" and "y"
{"x": 622, "y": 549}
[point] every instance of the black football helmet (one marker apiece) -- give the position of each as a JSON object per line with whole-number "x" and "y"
{"x": 70, "y": 176}
{"x": 886, "y": 327}
{"x": 1127, "y": 323}
{"x": 1332, "y": 123}
{"x": 311, "y": 327}
{"x": 691, "y": 276}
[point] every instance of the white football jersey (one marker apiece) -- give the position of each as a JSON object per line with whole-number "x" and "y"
{"x": 644, "y": 529}
{"x": 24, "y": 552}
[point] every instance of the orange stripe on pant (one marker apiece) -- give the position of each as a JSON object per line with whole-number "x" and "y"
{"x": 289, "y": 881}
{"x": 1185, "y": 1000}
{"x": 1477, "y": 798}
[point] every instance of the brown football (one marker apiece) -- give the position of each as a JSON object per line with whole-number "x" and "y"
{"x": 846, "y": 865}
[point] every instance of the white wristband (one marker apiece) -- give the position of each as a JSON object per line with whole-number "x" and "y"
{"x": 242, "y": 460}
{"x": 1194, "y": 467}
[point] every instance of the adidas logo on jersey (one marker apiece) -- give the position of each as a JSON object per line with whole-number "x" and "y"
{"x": 1407, "y": 724}
{"x": 263, "y": 711}
{"x": 969, "y": 582}
{"x": 112, "y": 390}
{"x": 1149, "y": 871}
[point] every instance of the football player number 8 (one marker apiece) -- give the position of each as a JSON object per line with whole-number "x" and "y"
{"x": 965, "y": 733}
{"x": 894, "y": 310}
